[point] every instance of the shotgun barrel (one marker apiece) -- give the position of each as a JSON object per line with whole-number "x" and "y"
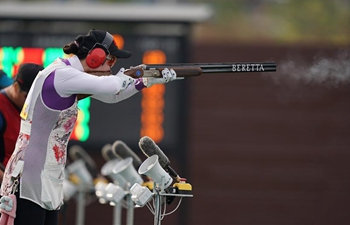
{"x": 196, "y": 69}
{"x": 230, "y": 67}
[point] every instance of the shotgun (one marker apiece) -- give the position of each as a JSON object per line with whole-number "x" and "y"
{"x": 196, "y": 69}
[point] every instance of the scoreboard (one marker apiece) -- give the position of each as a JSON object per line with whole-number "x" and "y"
{"x": 155, "y": 112}
{"x": 154, "y": 33}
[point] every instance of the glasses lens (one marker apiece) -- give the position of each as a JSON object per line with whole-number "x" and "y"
{"x": 111, "y": 60}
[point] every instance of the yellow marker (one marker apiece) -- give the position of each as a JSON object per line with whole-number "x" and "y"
{"x": 24, "y": 113}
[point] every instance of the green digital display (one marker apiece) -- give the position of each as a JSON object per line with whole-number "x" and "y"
{"x": 12, "y": 57}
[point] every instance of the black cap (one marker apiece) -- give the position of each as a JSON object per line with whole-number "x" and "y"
{"x": 26, "y": 75}
{"x": 100, "y": 37}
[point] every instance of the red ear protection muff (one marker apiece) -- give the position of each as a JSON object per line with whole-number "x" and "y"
{"x": 99, "y": 52}
{"x": 96, "y": 57}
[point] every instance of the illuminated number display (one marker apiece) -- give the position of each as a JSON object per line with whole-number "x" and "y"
{"x": 152, "y": 116}
{"x": 12, "y": 57}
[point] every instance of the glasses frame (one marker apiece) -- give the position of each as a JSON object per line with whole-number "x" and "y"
{"x": 108, "y": 55}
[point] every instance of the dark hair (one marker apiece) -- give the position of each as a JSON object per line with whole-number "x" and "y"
{"x": 73, "y": 48}
{"x": 80, "y": 47}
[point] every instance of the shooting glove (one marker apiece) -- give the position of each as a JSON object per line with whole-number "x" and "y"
{"x": 126, "y": 80}
{"x": 168, "y": 75}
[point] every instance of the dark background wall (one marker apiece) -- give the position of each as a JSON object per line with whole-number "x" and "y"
{"x": 259, "y": 153}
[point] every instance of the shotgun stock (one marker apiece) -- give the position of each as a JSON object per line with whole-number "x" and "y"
{"x": 196, "y": 69}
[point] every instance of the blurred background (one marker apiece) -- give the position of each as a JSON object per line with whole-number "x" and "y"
{"x": 268, "y": 148}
